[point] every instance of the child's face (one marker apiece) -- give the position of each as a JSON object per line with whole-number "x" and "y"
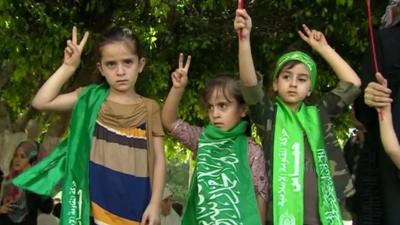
{"x": 166, "y": 206}
{"x": 120, "y": 66}
{"x": 293, "y": 85}
{"x": 222, "y": 113}
{"x": 20, "y": 160}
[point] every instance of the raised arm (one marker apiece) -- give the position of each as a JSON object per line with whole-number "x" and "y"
{"x": 317, "y": 41}
{"x": 377, "y": 95}
{"x": 388, "y": 136}
{"x": 48, "y": 97}
{"x": 246, "y": 66}
{"x": 179, "y": 78}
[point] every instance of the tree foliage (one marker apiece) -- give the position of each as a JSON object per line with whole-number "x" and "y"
{"x": 34, "y": 34}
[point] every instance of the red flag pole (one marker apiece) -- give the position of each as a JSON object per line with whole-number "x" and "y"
{"x": 241, "y": 6}
{"x": 372, "y": 41}
{"x": 371, "y": 36}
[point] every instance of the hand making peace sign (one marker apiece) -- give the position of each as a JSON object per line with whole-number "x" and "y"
{"x": 179, "y": 76}
{"x": 73, "y": 51}
{"x": 314, "y": 38}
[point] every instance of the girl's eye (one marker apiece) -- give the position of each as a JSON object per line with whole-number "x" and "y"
{"x": 128, "y": 62}
{"x": 222, "y": 106}
{"x": 285, "y": 76}
{"x": 303, "y": 79}
{"x": 19, "y": 155}
{"x": 110, "y": 64}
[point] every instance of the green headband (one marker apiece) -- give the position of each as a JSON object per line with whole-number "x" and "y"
{"x": 302, "y": 57}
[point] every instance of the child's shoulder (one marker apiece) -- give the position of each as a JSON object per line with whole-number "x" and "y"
{"x": 148, "y": 100}
{"x": 151, "y": 103}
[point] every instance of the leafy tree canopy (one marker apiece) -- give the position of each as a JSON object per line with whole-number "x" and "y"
{"x": 34, "y": 34}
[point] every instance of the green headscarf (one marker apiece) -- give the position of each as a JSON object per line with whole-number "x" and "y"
{"x": 302, "y": 57}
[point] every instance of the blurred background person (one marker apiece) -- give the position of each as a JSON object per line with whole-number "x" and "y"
{"x": 18, "y": 206}
{"x": 168, "y": 215}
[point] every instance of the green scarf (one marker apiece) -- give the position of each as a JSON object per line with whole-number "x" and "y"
{"x": 70, "y": 161}
{"x": 221, "y": 190}
{"x": 288, "y": 166}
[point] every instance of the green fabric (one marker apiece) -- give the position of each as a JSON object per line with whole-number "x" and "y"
{"x": 70, "y": 161}
{"x": 288, "y": 167}
{"x": 221, "y": 190}
{"x": 302, "y": 57}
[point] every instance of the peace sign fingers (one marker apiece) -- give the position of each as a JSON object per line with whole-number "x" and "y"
{"x": 180, "y": 60}
{"x": 74, "y": 38}
{"x": 179, "y": 76}
{"x": 83, "y": 41}
{"x": 307, "y": 30}
{"x": 305, "y": 34}
{"x": 73, "y": 51}
{"x": 314, "y": 38}
{"x": 187, "y": 64}
{"x": 74, "y": 35}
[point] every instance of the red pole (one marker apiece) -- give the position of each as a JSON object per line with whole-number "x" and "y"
{"x": 241, "y": 6}
{"x": 372, "y": 41}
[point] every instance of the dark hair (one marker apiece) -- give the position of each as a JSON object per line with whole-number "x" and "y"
{"x": 57, "y": 210}
{"x": 178, "y": 207}
{"x": 119, "y": 34}
{"x": 227, "y": 84}
{"x": 287, "y": 65}
{"x": 46, "y": 206}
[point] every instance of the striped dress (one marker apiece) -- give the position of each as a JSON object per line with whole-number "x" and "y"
{"x": 118, "y": 169}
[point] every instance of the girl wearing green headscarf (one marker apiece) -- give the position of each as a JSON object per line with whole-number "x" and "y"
{"x": 309, "y": 176}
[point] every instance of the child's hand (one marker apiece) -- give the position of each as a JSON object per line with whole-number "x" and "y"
{"x": 314, "y": 38}
{"x": 179, "y": 76}
{"x": 73, "y": 51}
{"x": 151, "y": 215}
{"x": 7, "y": 207}
{"x": 377, "y": 94}
{"x": 242, "y": 23}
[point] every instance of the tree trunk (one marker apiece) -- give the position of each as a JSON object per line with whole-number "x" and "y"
{"x": 5, "y": 72}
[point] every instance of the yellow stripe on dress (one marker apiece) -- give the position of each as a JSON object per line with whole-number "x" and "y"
{"x": 103, "y": 216}
{"x": 126, "y": 131}
{"x": 133, "y": 132}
